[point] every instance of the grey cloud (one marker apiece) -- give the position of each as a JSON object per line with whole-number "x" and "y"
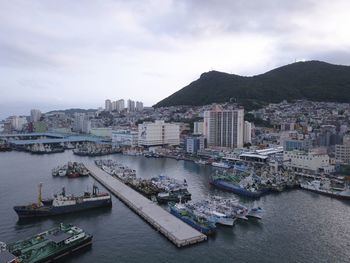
{"x": 17, "y": 57}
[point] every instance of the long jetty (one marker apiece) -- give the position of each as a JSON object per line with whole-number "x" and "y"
{"x": 170, "y": 226}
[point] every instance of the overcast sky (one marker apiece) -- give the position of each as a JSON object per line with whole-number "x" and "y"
{"x": 70, "y": 53}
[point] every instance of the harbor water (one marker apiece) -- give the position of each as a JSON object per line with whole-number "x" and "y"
{"x": 298, "y": 226}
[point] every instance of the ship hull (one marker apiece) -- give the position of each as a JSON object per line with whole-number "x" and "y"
{"x": 45, "y": 211}
{"x": 67, "y": 251}
{"x": 327, "y": 193}
{"x": 202, "y": 229}
{"x": 236, "y": 189}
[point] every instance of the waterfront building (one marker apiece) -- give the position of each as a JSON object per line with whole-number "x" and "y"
{"x": 108, "y": 105}
{"x": 125, "y": 138}
{"x": 35, "y": 115}
{"x": 247, "y": 132}
{"x": 102, "y": 132}
{"x": 312, "y": 161}
{"x": 224, "y": 128}
{"x": 195, "y": 144}
{"x": 198, "y": 128}
{"x": 158, "y": 133}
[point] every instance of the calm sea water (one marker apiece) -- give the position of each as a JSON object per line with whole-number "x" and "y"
{"x": 298, "y": 226}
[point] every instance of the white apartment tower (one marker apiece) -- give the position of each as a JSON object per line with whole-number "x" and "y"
{"x": 35, "y": 115}
{"x": 108, "y": 105}
{"x": 131, "y": 105}
{"x": 120, "y": 105}
{"x": 247, "y": 137}
{"x": 139, "y": 106}
{"x": 224, "y": 128}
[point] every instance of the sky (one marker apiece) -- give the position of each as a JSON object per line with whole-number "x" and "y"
{"x": 63, "y": 54}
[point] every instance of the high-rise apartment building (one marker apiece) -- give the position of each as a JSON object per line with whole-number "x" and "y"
{"x": 131, "y": 105}
{"x": 139, "y": 106}
{"x": 120, "y": 105}
{"x": 247, "y": 136}
{"x": 224, "y": 128}
{"x": 108, "y": 105}
{"x": 35, "y": 115}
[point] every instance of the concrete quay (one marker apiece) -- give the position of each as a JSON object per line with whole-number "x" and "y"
{"x": 170, "y": 226}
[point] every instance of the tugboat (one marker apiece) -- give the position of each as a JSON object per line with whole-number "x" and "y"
{"x": 47, "y": 246}
{"x": 63, "y": 204}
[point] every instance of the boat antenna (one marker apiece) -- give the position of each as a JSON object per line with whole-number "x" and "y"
{"x": 39, "y": 194}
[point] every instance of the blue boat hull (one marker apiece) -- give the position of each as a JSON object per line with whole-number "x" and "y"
{"x": 205, "y": 230}
{"x": 236, "y": 189}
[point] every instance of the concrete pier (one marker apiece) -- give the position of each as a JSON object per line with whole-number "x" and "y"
{"x": 171, "y": 227}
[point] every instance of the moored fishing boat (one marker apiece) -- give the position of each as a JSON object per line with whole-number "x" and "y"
{"x": 324, "y": 187}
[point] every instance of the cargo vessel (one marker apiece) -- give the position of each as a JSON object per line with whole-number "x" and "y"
{"x": 48, "y": 246}
{"x": 63, "y": 204}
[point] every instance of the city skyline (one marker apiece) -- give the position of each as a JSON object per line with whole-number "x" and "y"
{"x": 134, "y": 49}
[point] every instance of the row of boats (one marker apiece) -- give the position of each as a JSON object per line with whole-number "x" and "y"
{"x": 71, "y": 170}
{"x": 161, "y": 188}
{"x": 253, "y": 182}
{"x": 206, "y": 214}
{"x": 95, "y": 149}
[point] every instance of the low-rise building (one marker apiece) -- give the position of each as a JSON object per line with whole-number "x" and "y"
{"x": 195, "y": 144}
{"x": 158, "y": 133}
{"x": 102, "y": 132}
{"x": 125, "y": 138}
{"x": 312, "y": 161}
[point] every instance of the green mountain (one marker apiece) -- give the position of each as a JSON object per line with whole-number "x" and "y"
{"x": 312, "y": 80}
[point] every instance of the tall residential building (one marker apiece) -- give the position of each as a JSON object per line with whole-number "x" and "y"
{"x": 120, "y": 105}
{"x": 108, "y": 105}
{"x": 139, "y": 106}
{"x": 35, "y": 115}
{"x": 114, "y": 105}
{"x": 158, "y": 133}
{"x": 247, "y": 136}
{"x": 131, "y": 105}
{"x": 81, "y": 123}
{"x": 18, "y": 122}
{"x": 224, "y": 128}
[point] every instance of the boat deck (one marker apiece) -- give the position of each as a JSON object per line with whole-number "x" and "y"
{"x": 171, "y": 227}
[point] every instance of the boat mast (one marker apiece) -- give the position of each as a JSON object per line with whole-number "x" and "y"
{"x": 39, "y": 195}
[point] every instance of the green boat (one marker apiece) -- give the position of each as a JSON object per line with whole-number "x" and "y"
{"x": 48, "y": 246}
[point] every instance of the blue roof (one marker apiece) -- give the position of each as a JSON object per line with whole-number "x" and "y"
{"x": 47, "y": 134}
{"x": 58, "y": 140}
